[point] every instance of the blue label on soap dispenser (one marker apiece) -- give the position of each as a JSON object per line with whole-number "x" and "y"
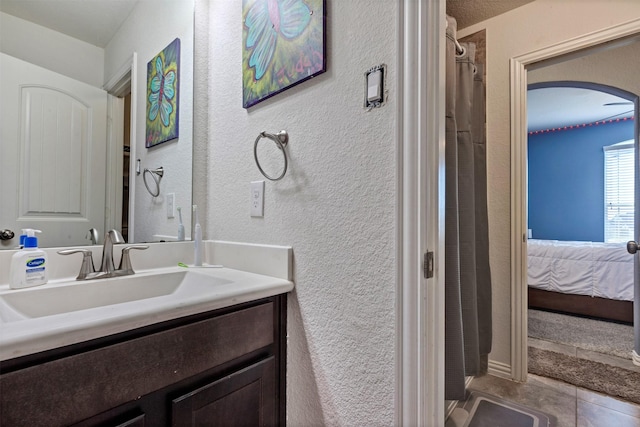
{"x": 37, "y": 262}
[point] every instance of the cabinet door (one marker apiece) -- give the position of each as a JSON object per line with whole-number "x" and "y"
{"x": 113, "y": 419}
{"x": 244, "y": 398}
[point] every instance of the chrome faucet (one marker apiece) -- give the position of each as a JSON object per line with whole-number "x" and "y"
{"x": 107, "y": 266}
{"x": 93, "y": 236}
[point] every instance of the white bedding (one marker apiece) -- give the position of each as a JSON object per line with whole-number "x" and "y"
{"x": 586, "y": 268}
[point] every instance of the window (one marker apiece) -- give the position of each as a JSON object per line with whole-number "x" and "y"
{"x": 619, "y": 192}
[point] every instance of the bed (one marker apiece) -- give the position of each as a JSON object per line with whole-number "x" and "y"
{"x": 585, "y": 278}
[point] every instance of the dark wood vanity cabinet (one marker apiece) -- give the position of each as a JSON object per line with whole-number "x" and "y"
{"x": 244, "y": 398}
{"x": 221, "y": 368}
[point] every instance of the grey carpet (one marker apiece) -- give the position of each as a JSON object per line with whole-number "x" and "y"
{"x": 607, "y": 379}
{"x": 603, "y": 337}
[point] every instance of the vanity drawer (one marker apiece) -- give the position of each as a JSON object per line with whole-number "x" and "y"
{"x": 76, "y": 387}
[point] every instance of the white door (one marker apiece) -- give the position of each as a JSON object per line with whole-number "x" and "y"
{"x": 52, "y": 154}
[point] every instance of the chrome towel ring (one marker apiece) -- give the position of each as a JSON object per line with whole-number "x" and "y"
{"x": 281, "y": 139}
{"x": 156, "y": 174}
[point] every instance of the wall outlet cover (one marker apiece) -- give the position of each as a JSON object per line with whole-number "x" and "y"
{"x": 257, "y": 199}
{"x": 171, "y": 205}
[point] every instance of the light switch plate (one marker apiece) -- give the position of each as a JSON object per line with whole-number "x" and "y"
{"x": 374, "y": 87}
{"x": 257, "y": 198}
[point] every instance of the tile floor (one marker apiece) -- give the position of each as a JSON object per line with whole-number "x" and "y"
{"x": 572, "y": 406}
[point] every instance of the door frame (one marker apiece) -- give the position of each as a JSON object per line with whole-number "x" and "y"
{"x": 420, "y": 215}
{"x": 115, "y": 142}
{"x": 518, "y": 85}
{"x": 122, "y": 82}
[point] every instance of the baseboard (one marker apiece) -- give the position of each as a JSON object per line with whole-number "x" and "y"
{"x": 499, "y": 369}
{"x": 635, "y": 358}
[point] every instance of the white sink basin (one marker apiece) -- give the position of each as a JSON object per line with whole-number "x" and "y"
{"x": 65, "y": 311}
{"x": 76, "y": 295}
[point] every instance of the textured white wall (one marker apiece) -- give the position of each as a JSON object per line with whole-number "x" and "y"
{"x": 336, "y": 207}
{"x": 150, "y": 27}
{"x": 530, "y": 27}
{"x": 613, "y": 67}
{"x": 52, "y": 50}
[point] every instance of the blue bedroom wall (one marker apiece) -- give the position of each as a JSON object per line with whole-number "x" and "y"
{"x": 566, "y": 181}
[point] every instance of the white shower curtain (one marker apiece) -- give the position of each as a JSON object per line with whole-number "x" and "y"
{"x": 467, "y": 274}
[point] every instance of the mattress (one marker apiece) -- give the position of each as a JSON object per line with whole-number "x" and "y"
{"x": 585, "y": 268}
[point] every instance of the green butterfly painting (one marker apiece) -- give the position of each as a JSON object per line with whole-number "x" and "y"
{"x": 283, "y": 45}
{"x": 162, "y": 95}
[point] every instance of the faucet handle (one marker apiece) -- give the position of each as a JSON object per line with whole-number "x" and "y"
{"x": 125, "y": 267}
{"x": 87, "y": 267}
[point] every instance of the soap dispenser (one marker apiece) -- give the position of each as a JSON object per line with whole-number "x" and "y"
{"x": 23, "y": 236}
{"x": 29, "y": 265}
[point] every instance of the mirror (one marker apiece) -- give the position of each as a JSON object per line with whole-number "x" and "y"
{"x": 63, "y": 187}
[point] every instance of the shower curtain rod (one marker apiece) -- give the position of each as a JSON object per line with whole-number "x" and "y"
{"x": 459, "y": 49}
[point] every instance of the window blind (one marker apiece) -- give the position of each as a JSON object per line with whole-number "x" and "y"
{"x": 619, "y": 192}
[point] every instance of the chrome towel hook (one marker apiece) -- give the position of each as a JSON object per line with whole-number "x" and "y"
{"x": 281, "y": 139}
{"x": 156, "y": 174}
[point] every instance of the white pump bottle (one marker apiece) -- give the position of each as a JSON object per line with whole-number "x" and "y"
{"x": 29, "y": 265}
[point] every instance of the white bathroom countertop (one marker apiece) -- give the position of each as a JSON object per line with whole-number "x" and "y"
{"x": 206, "y": 289}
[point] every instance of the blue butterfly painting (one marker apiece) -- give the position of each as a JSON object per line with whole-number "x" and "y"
{"x": 162, "y": 95}
{"x": 162, "y": 92}
{"x": 283, "y": 44}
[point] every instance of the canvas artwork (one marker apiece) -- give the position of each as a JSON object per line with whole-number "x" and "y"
{"x": 283, "y": 44}
{"x": 162, "y": 95}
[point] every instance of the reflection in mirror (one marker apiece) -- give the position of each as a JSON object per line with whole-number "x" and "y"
{"x": 74, "y": 109}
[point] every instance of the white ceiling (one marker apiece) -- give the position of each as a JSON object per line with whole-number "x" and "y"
{"x": 549, "y": 108}
{"x": 469, "y": 12}
{"x": 92, "y": 21}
